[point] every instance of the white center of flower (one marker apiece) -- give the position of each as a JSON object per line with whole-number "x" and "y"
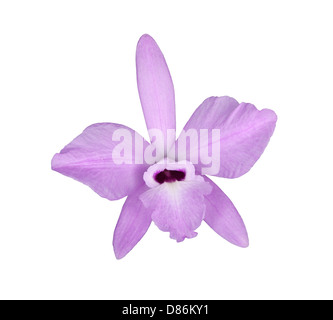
{"x": 168, "y": 171}
{"x": 175, "y": 198}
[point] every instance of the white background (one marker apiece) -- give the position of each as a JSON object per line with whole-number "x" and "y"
{"x": 67, "y": 64}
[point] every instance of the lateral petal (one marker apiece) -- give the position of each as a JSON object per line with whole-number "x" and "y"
{"x": 89, "y": 159}
{"x": 243, "y": 134}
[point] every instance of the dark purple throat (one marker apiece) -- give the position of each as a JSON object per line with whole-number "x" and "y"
{"x": 169, "y": 176}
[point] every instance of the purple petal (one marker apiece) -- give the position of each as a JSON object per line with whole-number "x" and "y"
{"x": 244, "y": 134}
{"x": 132, "y": 225}
{"x": 222, "y": 216}
{"x": 155, "y": 89}
{"x": 88, "y": 159}
{"x": 178, "y": 207}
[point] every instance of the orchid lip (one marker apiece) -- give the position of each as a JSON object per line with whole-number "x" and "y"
{"x": 170, "y": 176}
{"x": 169, "y": 171}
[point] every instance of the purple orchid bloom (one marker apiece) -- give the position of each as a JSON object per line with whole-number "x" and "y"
{"x": 171, "y": 188}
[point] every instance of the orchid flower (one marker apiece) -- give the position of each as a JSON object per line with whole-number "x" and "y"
{"x": 171, "y": 188}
